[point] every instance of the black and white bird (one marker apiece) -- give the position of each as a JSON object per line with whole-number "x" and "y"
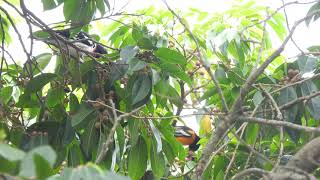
{"x": 77, "y": 47}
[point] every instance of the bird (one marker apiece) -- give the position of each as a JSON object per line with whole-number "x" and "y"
{"x": 81, "y": 44}
{"x": 187, "y": 136}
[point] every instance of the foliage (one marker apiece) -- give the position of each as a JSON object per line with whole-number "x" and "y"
{"x": 53, "y": 119}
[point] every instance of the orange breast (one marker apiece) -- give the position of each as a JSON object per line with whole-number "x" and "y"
{"x": 186, "y": 140}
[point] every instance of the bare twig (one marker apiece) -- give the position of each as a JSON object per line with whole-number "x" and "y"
{"x": 273, "y": 102}
{"x": 288, "y": 27}
{"x": 276, "y": 11}
{"x": 300, "y": 99}
{"x": 2, "y": 46}
{"x": 278, "y": 123}
{"x": 105, "y": 147}
{"x": 234, "y": 152}
{"x": 316, "y": 76}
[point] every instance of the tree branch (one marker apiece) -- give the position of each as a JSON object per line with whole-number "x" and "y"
{"x": 278, "y": 123}
{"x": 234, "y": 113}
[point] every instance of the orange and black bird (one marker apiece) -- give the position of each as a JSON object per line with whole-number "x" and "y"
{"x": 187, "y": 136}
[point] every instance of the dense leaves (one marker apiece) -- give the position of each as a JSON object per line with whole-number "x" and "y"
{"x": 60, "y": 112}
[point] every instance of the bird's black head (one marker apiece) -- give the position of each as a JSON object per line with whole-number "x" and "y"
{"x": 100, "y": 50}
{"x": 195, "y": 146}
{"x": 64, "y": 33}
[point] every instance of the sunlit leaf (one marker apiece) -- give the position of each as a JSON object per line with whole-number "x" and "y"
{"x": 28, "y": 168}
{"x": 48, "y": 4}
{"x": 10, "y": 153}
{"x": 170, "y": 56}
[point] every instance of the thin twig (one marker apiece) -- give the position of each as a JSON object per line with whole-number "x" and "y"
{"x": 273, "y": 102}
{"x": 273, "y": 122}
{"x": 207, "y": 67}
{"x": 105, "y": 147}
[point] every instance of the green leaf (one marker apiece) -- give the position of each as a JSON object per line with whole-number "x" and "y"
{"x": 252, "y": 132}
{"x": 220, "y": 163}
{"x": 43, "y": 168}
{"x": 5, "y": 94}
{"x": 157, "y": 160}
{"x": 138, "y": 157}
{"x": 162, "y": 91}
{"x": 28, "y": 168}
{"x": 286, "y": 95}
{"x": 176, "y": 71}
{"x": 141, "y": 88}
{"x": 135, "y": 65}
{"x": 121, "y": 139}
{"x": 220, "y": 74}
{"x": 170, "y": 56}
{"x": 157, "y": 135}
{"x": 314, "y": 9}
{"x": 55, "y": 96}
{"x": 10, "y": 153}
{"x": 89, "y": 171}
{"x": 7, "y": 166}
{"x": 73, "y": 103}
{"x": 307, "y": 64}
{"x": 174, "y": 97}
{"x": 134, "y": 131}
{"x": 74, "y": 155}
{"x": 90, "y": 138}
{"x": 83, "y": 112}
{"x": 257, "y": 98}
{"x": 28, "y": 101}
{"x": 127, "y": 53}
{"x": 136, "y": 33}
{"x": 101, "y": 7}
{"x": 41, "y": 34}
{"x": 38, "y": 82}
{"x": 313, "y": 105}
{"x": 277, "y": 26}
{"x": 168, "y": 151}
{"x": 48, "y": 4}
{"x": 168, "y": 132}
{"x": 70, "y": 7}
{"x": 108, "y": 4}
{"x": 145, "y": 43}
{"x": 40, "y": 62}
{"x": 79, "y": 11}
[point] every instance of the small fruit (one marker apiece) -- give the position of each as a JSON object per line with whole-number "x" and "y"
{"x": 97, "y": 125}
{"x": 291, "y": 73}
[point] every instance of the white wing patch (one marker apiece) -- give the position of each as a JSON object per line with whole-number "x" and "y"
{"x": 180, "y": 132}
